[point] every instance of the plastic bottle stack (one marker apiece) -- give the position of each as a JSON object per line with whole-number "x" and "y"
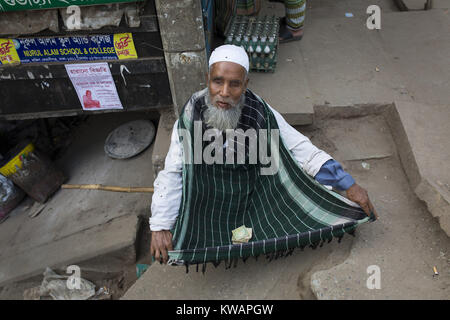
{"x": 259, "y": 37}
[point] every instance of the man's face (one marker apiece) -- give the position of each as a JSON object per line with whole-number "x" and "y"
{"x": 227, "y": 82}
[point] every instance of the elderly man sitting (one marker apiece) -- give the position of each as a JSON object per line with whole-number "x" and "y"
{"x": 218, "y": 191}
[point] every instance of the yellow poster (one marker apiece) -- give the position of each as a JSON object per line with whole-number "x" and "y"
{"x": 8, "y": 53}
{"x": 124, "y": 45}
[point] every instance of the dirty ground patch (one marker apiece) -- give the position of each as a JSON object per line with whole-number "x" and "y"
{"x": 406, "y": 242}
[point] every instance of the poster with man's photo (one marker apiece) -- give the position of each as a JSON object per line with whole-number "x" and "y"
{"x": 94, "y": 85}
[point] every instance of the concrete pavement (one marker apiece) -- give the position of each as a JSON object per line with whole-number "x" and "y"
{"x": 405, "y": 243}
{"x": 422, "y": 135}
{"x": 79, "y": 226}
{"x": 352, "y": 76}
{"x": 339, "y": 63}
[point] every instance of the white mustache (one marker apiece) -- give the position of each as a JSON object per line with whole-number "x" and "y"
{"x": 230, "y": 101}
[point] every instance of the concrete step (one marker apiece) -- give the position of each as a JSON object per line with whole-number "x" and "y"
{"x": 415, "y": 4}
{"x": 348, "y": 64}
{"x": 421, "y": 133}
{"x": 112, "y": 242}
{"x": 286, "y": 90}
{"x": 162, "y": 139}
{"x": 406, "y": 242}
{"x": 340, "y": 62}
{"x": 259, "y": 279}
{"x": 345, "y": 63}
{"x": 79, "y": 225}
{"x": 420, "y": 4}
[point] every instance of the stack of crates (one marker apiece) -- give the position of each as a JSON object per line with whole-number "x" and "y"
{"x": 259, "y": 37}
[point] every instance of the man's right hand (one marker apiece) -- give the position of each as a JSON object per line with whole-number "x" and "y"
{"x": 161, "y": 243}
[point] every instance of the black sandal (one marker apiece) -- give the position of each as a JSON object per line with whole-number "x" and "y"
{"x": 285, "y": 35}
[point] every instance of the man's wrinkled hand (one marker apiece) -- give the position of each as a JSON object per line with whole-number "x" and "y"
{"x": 161, "y": 243}
{"x": 359, "y": 195}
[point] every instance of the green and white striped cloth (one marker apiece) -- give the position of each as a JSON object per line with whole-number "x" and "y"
{"x": 295, "y": 13}
{"x": 286, "y": 210}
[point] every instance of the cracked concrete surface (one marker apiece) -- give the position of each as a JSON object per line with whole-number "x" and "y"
{"x": 406, "y": 242}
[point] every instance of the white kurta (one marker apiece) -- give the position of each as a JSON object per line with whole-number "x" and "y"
{"x": 168, "y": 185}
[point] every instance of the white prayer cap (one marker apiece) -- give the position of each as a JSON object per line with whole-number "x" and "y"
{"x": 230, "y": 53}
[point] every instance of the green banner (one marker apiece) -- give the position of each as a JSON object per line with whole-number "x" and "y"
{"x": 18, "y": 5}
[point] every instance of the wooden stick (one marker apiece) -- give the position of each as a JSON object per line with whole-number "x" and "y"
{"x": 106, "y": 188}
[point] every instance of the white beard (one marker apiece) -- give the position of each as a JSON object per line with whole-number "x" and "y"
{"x": 223, "y": 119}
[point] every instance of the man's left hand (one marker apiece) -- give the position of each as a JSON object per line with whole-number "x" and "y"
{"x": 359, "y": 195}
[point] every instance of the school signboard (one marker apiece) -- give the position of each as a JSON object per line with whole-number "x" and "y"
{"x": 65, "y": 49}
{"x": 19, "y": 5}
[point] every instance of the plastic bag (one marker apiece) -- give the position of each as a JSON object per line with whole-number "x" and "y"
{"x": 10, "y": 196}
{"x": 57, "y": 287}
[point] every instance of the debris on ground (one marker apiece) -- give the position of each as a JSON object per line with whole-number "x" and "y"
{"x": 365, "y": 165}
{"x": 436, "y": 273}
{"x": 102, "y": 294}
{"x": 10, "y": 197}
{"x": 62, "y": 288}
{"x": 32, "y": 293}
{"x": 36, "y": 209}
